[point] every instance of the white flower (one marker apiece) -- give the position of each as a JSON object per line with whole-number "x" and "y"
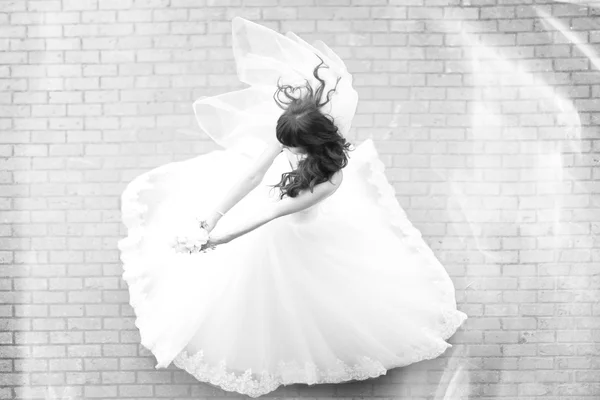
{"x": 191, "y": 239}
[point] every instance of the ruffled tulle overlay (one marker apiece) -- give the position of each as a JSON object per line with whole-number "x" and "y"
{"x": 244, "y": 120}
{"x": 344, "y": 290}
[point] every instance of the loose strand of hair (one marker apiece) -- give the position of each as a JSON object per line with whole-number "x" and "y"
{"x": 285, "y": 90}
{"x": 315, "y": 95}
{"x": 322, "y": 85}
{"x": 331, "y": 91}
{"x": 319, "y": 91}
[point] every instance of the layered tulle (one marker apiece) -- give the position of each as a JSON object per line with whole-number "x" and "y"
{"x": 244, "y": 120}
{"x": 344, "y": 290}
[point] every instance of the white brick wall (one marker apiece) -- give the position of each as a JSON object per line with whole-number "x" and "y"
{"x": 95, "y": 92}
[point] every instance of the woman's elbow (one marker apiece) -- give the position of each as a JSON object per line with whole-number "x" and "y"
{"x": 254, "y": 180}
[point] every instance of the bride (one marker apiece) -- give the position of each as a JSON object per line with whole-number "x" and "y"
{"x": 311, "y": 272}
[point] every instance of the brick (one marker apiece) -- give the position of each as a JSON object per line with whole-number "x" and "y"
{"x": 115, "y": 4}
{"x": 119, "y": 323}
{"x": 103, "y": 17}
{"x": 66, "y": 310}
{"x": 13, "y": 379}
{"x": 135, "y": 391}
{"x": 398, "y": 13}
{"x": 48, "y": 324}
{"x": 130, "y": 337}
{"x": 63, "y": 17}
{"x": 6, "y": 338}
{"x": 48, "y": 351}
{"x": 25, "y": 310}
{"x": 101, "y": 364}
{"x": 15, "y": 352}
{"x": 31, "y": 365}
{"x": 66, "y": 337}
{"x": 31, "y": 337}
{"x": 87, "y": 351}
{"x": 281, "y": 13}
{"x": 166, "y": 390}
{"x": 120, "y": 377}
{"x": 80, "y": 4}
{"x": 370, "y": 26}
{"x": 83, "y": 378}
{"x": 102, "y": 337}
{"x": 66, "y": 364}
{"x": 120, "y": 350}
{"x": 574, "y": 336}
{"x": 100, "y": 391}
{"x": 64, "y": 283}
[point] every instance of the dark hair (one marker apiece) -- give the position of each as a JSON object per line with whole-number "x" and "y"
{"x": 302, "y": 124}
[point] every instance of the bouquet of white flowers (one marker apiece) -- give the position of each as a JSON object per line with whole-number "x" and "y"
{"x": 193, "y": 240}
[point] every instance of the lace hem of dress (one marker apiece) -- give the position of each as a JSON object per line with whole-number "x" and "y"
{"x": 255, "y": 384}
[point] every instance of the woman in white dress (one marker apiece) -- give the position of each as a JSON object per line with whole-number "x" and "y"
{"x": 315, "y": 274}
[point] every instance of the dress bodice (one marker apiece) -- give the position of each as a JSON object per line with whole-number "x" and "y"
{"x": 293, "y": 159}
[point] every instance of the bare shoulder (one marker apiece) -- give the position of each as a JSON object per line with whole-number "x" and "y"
{"x": 274, "y": 147}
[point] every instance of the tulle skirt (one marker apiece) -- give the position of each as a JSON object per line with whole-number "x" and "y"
{"x": 344, "y": 290}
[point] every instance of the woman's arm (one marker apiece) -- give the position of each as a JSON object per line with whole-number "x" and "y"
{"x": 247, "y": 181}
{"x": 286, "y": 206}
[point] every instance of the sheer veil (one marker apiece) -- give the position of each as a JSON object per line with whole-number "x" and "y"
{"x": 244, "y": 120}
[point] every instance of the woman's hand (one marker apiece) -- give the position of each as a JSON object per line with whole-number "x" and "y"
{"x": 210, "y": 222}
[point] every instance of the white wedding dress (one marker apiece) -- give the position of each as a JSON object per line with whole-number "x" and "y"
{"x": 344, "y": 290}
